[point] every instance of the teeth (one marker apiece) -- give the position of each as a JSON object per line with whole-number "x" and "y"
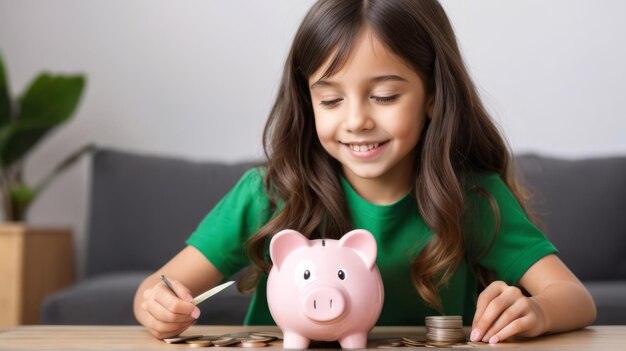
{"x": 364, "y": 148}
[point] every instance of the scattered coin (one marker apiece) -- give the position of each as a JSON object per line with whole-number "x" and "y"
{"x": 277, "y": 343}
{"x": 235, "y": 335}
{"x": 267, "y": 334}
{"x": 199, "y": 343}
{"x": 462, "y": 346}
{"x": 256, "y": 339}
{"x": 225, "y": 341}
{"x": 436, "y": 337}
{"x": 413, "y": 342}
{"x": 209, "y": 337}
{"x": 389, "y": 343}
{"x": 252, "y": 344}
{"x": 179, "y": 339}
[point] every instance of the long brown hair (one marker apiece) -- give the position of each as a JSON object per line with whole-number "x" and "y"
{"x": 458, "y": 140}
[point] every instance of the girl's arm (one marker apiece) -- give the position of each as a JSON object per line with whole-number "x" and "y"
{"x": 558, "y": 302}
{"x": 167, "y": 314}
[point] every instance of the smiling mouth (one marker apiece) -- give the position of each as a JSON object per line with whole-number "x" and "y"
{"x": 364, "y": 147}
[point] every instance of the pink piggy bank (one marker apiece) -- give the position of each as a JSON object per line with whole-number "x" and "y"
{"x": 324, "y": 290}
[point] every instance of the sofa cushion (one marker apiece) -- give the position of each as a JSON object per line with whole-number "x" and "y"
{"x": 582, "y": 205}
{"x": 610, "y": 298}
{"x": 108, "y": 300}
{"x": 142, "y": 207}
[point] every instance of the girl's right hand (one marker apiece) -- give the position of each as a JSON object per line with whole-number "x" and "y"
{"x": 168, "y": 314}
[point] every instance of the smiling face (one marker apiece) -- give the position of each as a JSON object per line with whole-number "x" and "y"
{"x": 369, "y": 116}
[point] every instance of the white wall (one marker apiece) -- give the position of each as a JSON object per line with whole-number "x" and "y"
{"x": 196, "y": 78}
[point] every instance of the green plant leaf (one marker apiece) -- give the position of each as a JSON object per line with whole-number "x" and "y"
{"x": 22, "y": 194}
{"x": 47, "y": 103}
{"x": 5, "y": 100}
{"x": 21, "y": 198}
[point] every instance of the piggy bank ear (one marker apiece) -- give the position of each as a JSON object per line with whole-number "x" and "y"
{"x": 284, "y": 243}
{"x": 363, "y": 242}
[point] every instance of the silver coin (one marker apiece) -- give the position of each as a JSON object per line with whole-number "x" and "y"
{"x": 445, "y": 340}
{"x": 225, "y": 341}
{"x": 445, "y": 323}
{"x": 441, "y": 337}
{"x": 276, "y": 335}
{"x": 177, "y": 339}
{"x": 448, "y": 340}
{"x": 443, "y": 317}
{"x": 199, "y": 343}
{"x": 388, "y": 343}
{"x": 257, "y": 339}
{"x": 235, "y": 335}
{"x": 438, "y": 344}
{"x": 445, "y": 332}
{"x": 413, "y": 342}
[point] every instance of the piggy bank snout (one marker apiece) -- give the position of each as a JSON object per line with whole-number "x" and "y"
{"x": 324, "y": 304}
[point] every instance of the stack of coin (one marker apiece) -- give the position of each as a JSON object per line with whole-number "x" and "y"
{"x": 244, "y": 339}
{"x": 444, "y": 329}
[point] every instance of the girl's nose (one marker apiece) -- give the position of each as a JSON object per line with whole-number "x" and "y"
{"x": 358, "y": 119}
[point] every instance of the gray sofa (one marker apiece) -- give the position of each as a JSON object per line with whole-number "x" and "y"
{"x": 143, "y": 208}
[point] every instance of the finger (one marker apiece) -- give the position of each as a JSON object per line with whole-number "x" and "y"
{"x": 173, "y": 303}
{"x": 181, "y": 290}
{"x": 161, "y": 313}
{"x": 514, "y": 328}
{"x": 515, "y": 311}
{"x": 491, "y": 292}
{"x": 147, "y": 294}
{"x": 164, "y": 328}
{"x": 495, "y": 308}
{"x": 484, "y": 299}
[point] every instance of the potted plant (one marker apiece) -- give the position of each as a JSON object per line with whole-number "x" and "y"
{"x": 26, "y": 252}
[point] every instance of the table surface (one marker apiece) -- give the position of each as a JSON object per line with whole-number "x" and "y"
{"x": 42, "y": 337}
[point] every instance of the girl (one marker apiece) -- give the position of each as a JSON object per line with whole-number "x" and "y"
{"x": 377, "y": 125}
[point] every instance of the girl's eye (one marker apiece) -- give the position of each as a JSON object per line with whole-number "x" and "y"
{"x": 329, "y": 102}
{"x": 385, "y": 99}
{"x": 307, "y": 274}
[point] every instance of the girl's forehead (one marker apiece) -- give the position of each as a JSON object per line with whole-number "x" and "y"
{"x": 368, "y": 56}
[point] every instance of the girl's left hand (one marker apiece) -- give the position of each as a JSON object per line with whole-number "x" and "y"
{"x": 503, "y": 311}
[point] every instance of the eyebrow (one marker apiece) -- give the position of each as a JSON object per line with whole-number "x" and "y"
{"x": 390, "y": 77}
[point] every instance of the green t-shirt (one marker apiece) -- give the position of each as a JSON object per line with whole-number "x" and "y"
{"x": 400, "y": 233}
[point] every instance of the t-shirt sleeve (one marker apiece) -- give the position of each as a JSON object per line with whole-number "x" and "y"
{"x": 518, "y": 243}
{"x": 221, "y": 235}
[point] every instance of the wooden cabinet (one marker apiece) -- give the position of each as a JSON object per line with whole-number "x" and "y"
{"x": 34, "y": 262}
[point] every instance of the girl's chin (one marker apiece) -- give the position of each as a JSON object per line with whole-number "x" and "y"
{"x": 365, "y": 173}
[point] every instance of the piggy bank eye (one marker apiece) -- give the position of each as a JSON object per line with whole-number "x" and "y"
{"x": 307, "y": 274}
{"x": 341, "y": 275}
